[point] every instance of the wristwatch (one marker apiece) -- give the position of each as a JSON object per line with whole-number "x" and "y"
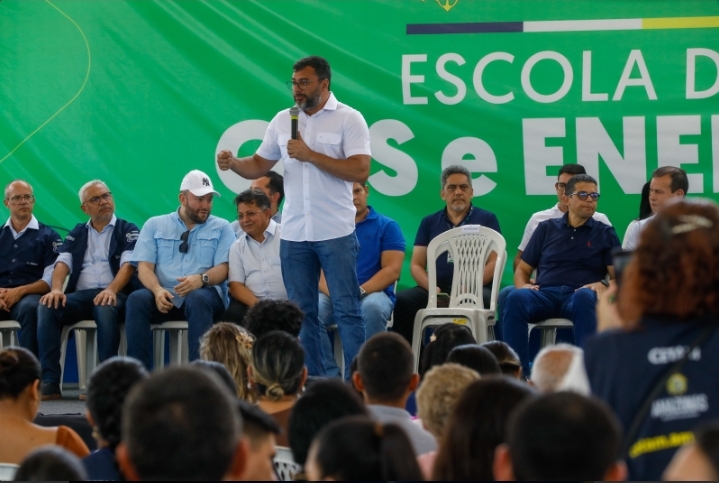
{"x": 363, "y": 292}
{"x": 205, "y": 279}
{"x": 605, "y": 282}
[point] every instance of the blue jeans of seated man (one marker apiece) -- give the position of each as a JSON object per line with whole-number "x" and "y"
{"x": 78, "y": 306}
{"x": 526, "y": 306}
{"x": 376, "y": 309}
{"x": 25, "y": 313}
{"x": 301, "y": 263}
{"x": 202, "y": 307}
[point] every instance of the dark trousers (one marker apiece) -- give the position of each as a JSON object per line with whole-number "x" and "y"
{"x": 236, "y": 312}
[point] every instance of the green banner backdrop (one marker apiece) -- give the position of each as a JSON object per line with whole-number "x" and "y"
{"x": 137, "y": 93}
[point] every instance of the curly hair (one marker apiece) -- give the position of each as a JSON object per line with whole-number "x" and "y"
{"x": 438, "y": 395}
{"x": 230, "y": 345}
{"x": 268, "y": 314}
{"x": 674, "y": 271}
{"x": 109, "y": 386}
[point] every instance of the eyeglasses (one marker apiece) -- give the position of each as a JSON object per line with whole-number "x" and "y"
{"x": 17, "y": 199}
{"x": 583, "y": 195}
{"x": 301, "y": 85}
{"x": 95, "y": 200}
{"x": 560, "y": 186}
{"x": 184, "y": 246}
{"x": 240, "y": 216}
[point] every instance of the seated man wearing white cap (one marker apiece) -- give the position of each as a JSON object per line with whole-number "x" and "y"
{"x": 182, "y": 261}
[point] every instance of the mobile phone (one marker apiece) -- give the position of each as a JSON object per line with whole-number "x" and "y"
{"x": 620, "y": 260}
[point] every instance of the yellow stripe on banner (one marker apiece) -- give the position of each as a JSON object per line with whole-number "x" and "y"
{"x": 680, "y": 23}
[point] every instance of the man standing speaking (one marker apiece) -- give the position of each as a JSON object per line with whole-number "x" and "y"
{"x": 331, "y": 151}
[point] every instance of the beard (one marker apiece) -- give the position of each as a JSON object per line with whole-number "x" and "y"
{"x": 196, "y": 217}
{"x": 311, "y": 100}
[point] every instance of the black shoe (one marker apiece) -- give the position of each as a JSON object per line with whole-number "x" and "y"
{"x": 50, "y": 392}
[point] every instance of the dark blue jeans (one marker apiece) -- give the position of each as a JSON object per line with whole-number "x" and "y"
{"x": 202, "y": 307}
{"x": 79, "y": 306}
{"x": 524, "y": 306}
{"x": 301, "y": 263}
{"x": 25, "y": 312}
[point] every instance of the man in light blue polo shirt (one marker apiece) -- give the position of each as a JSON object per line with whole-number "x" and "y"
{"x": 182, "y": 261}
{"x": 379, "y": 265}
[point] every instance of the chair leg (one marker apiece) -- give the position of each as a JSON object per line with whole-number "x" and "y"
{"x": 185, "y": 346}
{"x": 338, "y": 352}
{"x": 81, "y": 352}
{"x": 417, "y": 340}
{"x": 64, "y": 336}
{"x": 91, "y": 358}
{"x": 158, "y": 338}
{"x": 175, "y": 347}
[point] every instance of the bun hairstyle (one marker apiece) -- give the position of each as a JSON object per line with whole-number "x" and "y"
{"x": 19, "y": 368}
{"x": 277, "y": 363}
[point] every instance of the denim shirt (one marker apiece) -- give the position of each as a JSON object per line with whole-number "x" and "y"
{"x": 159, "y": 243}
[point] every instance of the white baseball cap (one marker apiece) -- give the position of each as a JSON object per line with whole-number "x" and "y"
{"x": 197, "y": 183}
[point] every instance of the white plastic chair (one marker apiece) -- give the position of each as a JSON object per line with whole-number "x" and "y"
{"x": 8, "y": 333}
{"x": 179, "y": 351}
{"x": 7, "y": 471}
{"x": 549, "y": 330}
{"x": 85, "y": 346}
{"x": 469, "y": 246}
{"x": 285, "y": 465}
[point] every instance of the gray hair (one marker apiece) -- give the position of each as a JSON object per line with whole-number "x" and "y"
{"x": 551, "y": 366}
{"x": 7, "y": 187}
{"x": 454, "y": 169}
{"x": 88, "y": 184}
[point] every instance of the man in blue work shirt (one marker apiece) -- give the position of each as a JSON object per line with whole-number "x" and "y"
{"x": 182, "y": 261}
{"x": 572, "y": 256}
{"x": 379, "y": 264}
{"x": 29, "y": 250}
{"x": 96, "y": 255}
{"x": 457, "y": 193}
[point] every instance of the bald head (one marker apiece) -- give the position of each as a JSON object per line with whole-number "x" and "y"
{"x": 559, "y": 367}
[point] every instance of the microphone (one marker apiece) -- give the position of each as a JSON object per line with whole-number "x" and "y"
{"x": 294, "y": 118}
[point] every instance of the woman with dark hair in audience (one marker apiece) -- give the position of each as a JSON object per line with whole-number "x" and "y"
{"x": 475, "y": 357}
{"x": 108, "y": 387}
{"x": 277, "y": 374}
{"x": 230, "y": 345}
{"x": 323, "y": 402}
{"x": 357, "y": 448}
{"x": 508, "y": 360}
{"x": 656, "y": 369}
{"x": 697, "y": 461}
{"x": 51, "y": 463}
{"x": 19, "y": 402}
{"x": 445, "y": 338}
{"x": 477, "y": 427}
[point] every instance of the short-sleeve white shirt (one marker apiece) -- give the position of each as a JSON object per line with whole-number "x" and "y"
{"x": 257, "y": 265}
{"x": 631, "y": 237}
{"x": 551, "y": 213}
{"x": 318, "y": 206}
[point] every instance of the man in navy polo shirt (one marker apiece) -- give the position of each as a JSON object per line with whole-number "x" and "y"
{"x": 95, "y": 254}
{"x": 457, "y": 193}
{"x": 379, "y": 264}
{"x": 572, "y": 255}
{"x": 29, "y": 249}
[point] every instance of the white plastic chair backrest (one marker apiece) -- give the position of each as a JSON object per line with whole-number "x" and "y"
{"x": 7, "y": 471}
{"x": 285, "y": 465}
{"x": 468, "y": 246}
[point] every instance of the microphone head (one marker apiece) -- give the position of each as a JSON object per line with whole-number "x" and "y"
{"x": 294, "y": 112}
